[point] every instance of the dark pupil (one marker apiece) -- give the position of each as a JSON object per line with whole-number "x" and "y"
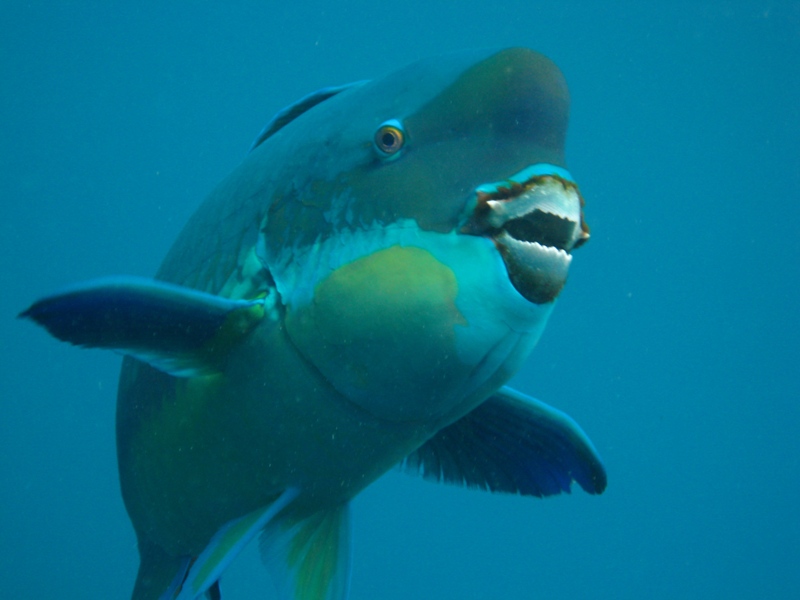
{"x": 388, "y": 139}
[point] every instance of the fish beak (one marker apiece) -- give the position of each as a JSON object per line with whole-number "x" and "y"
{"x": 535, "y": 219}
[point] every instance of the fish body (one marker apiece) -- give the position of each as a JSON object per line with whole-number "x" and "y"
{"x": 352, "y": 297}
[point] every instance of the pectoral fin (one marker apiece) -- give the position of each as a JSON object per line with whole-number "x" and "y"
{"x": 512, "y": 443}
{"x": 178, "y": 330}
{"x": 310, "y": 559}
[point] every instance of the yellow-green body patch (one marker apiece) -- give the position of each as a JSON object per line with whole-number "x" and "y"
{"x": 370, "y": 344}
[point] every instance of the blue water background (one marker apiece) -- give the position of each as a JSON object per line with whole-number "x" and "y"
{"x": 675, "y": 343}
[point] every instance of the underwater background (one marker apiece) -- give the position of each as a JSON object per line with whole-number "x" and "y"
{"x": 674, "y": 345}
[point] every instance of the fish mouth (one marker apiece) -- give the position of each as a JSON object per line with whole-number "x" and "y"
{"x": 535, "y": 219}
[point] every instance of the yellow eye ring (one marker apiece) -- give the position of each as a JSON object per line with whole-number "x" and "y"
{"x": 390, "y": 137}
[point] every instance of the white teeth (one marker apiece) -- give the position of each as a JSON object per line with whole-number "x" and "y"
{"x": 537, "y": 272}
{"x": 535, "y": 257}
{"x": 550, "y": 196}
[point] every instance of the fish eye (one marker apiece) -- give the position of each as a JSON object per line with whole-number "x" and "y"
{"x": 389, "y": 138}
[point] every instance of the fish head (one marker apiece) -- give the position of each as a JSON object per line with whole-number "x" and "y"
{"x": 486, "y": 157}
{"x": 421, "y": 255}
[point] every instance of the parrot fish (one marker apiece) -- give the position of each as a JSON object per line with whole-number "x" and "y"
{"x": 351, "y": 299}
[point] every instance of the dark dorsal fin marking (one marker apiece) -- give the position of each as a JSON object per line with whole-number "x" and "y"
{"x": 288, "y": 114}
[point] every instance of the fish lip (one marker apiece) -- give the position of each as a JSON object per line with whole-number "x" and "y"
{"x": 535, "y": 219}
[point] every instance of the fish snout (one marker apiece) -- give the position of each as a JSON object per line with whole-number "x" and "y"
{"x": 535, "y": 219}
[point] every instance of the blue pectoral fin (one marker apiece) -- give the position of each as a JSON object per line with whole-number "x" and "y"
{"x": 512, "y": 443}
{"x": 310, "y": 559}
{"x": 178, "y": 330}
{"x": 226, "y": 545}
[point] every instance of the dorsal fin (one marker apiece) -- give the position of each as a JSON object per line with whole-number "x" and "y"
{"x": 288, "y": 114}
